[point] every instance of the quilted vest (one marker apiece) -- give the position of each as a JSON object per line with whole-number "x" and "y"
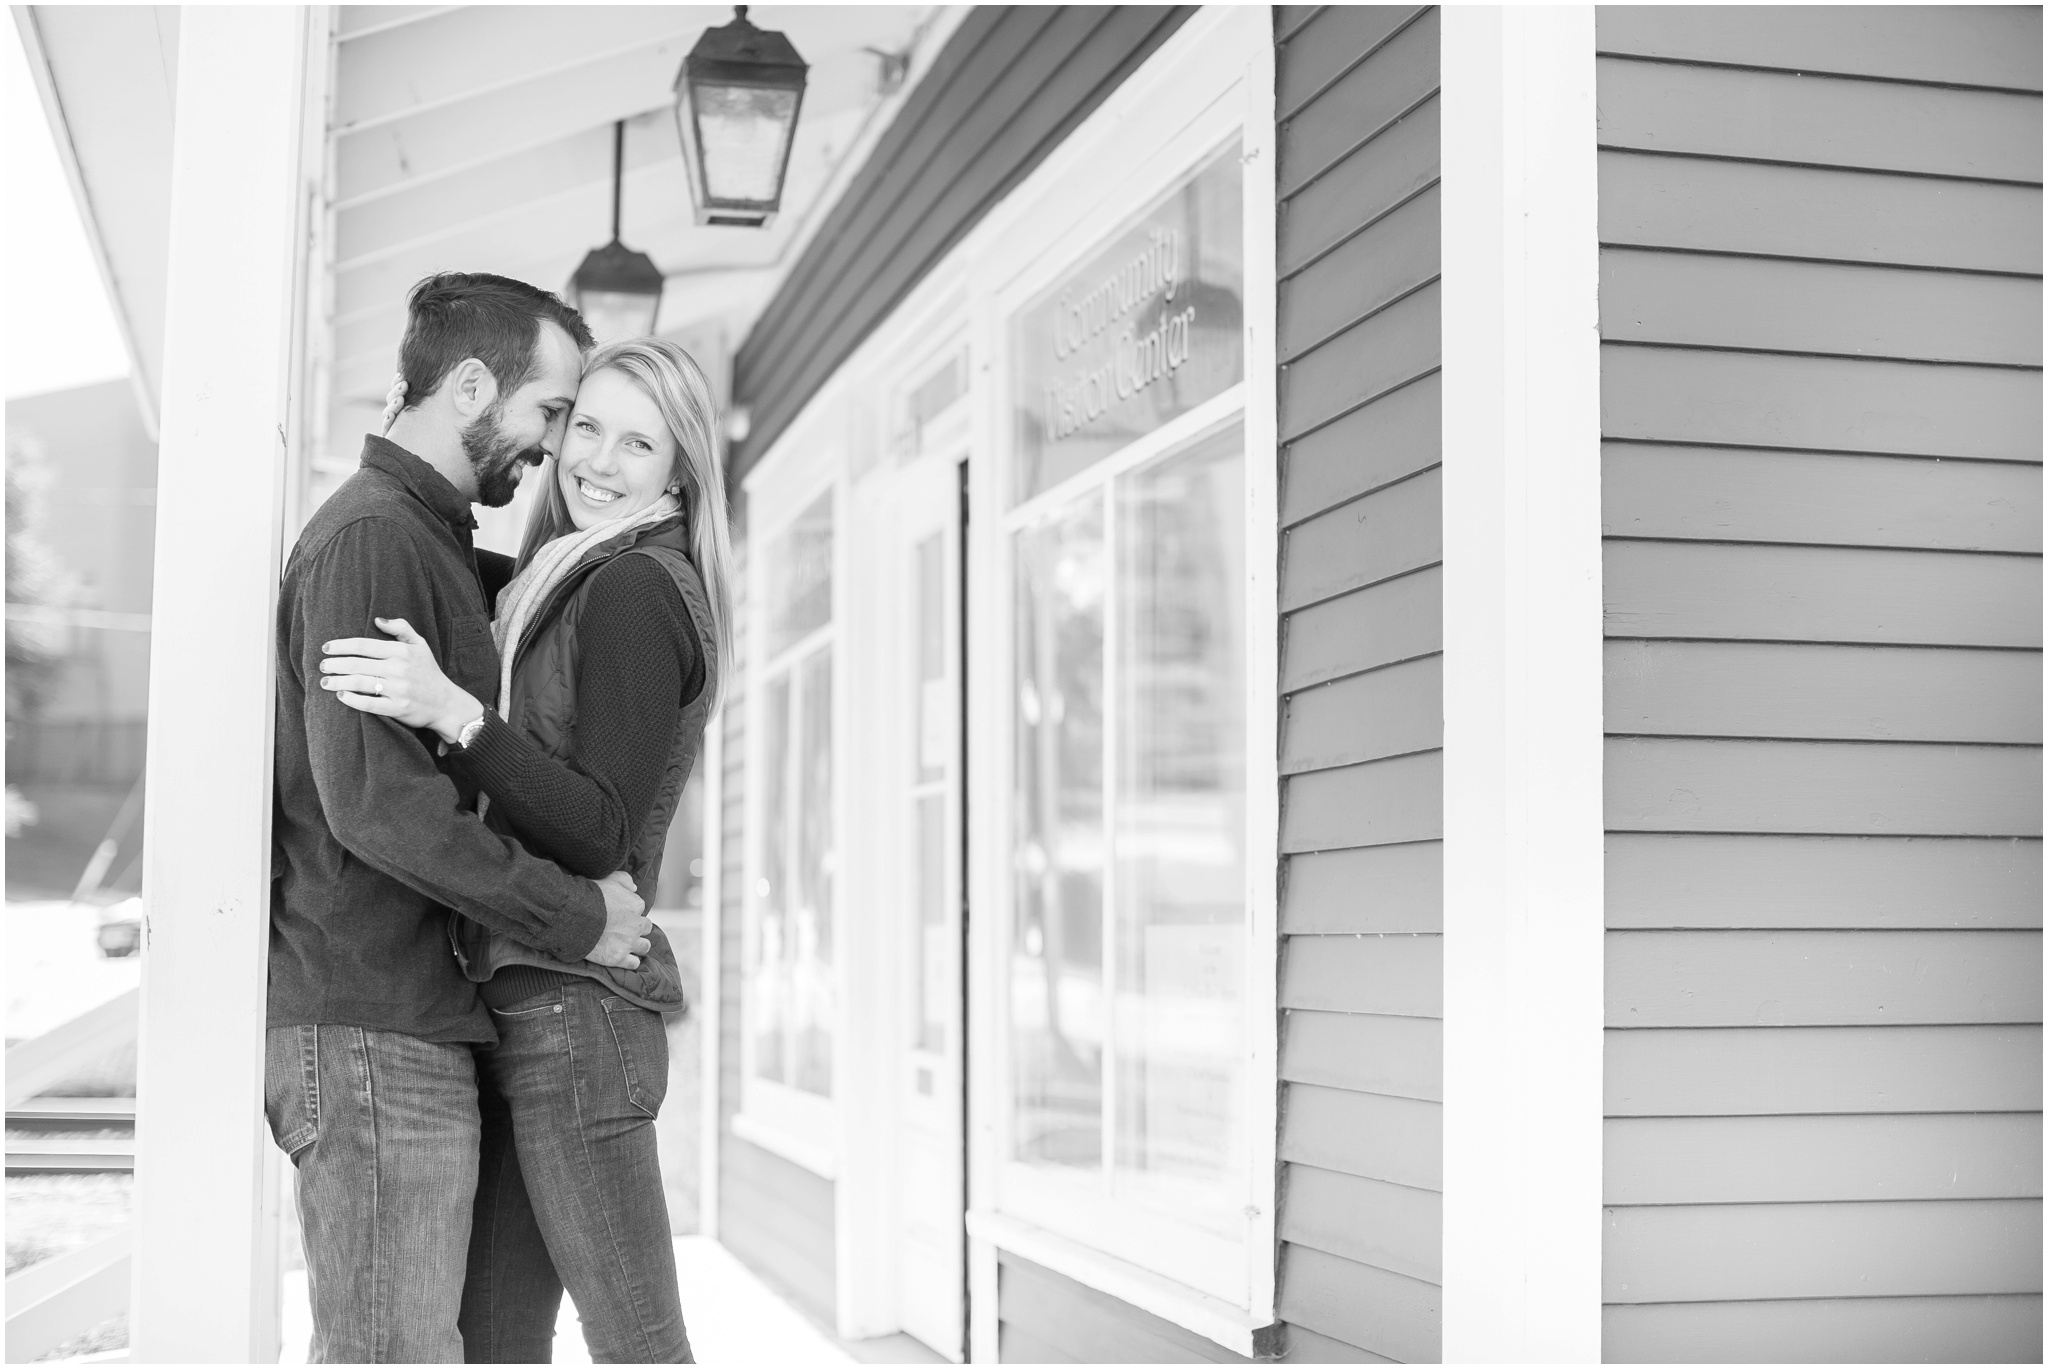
{"x": 543, "y": 706}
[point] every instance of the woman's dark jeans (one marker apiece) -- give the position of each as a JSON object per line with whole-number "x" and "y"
{"x": 569, "y": 1186}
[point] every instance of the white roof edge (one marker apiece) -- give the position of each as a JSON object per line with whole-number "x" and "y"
{"x": 931, "y": 40}
{"x": 139, "y": 379}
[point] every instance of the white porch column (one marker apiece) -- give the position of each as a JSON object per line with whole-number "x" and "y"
{"x": 206, "y": 1275}
{"x": 1522, "y": 688}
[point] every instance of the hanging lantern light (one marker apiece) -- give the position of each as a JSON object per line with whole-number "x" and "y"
{"x": 737, "y": 98}
{"x": 617, "y": 290}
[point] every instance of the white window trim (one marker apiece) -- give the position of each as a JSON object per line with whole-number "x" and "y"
{"x": 799, "y": 1126}
{"x": 902, "y": 351}
{"x": 1522, "y": 688}
{"x": 1228, "y": 50}
{"x": 782, "y": 1140}
{"x": 1229, "y": 1326}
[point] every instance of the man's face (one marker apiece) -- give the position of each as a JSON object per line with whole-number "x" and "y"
{"x": 519, "y": 429}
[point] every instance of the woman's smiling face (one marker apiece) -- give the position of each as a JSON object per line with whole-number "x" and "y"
{"x": 618, "y": 456}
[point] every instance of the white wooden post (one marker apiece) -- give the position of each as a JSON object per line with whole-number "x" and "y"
{"x": 206, "y": 1274}
{"x": 1522, "y": 688}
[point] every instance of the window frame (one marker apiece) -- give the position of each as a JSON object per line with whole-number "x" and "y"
{"x": 798, "y": 1125}
{"x": 1211, "y": 82}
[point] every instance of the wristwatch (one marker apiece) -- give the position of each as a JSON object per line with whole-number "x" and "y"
{"x": 469, "y": 731}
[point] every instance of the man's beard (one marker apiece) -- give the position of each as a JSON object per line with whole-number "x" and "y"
{"x": 495, "y": 459}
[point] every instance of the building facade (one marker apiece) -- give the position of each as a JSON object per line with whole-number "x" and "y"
{"x": 1389, "y": 684}
{"x": 1006, "y": 563}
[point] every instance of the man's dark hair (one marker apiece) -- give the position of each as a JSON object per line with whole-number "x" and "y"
{"x": 461, "y": 314}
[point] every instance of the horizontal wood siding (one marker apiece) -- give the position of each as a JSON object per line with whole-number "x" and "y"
{"x": 1048, "y": 1318}
{"x": 1010, "y": 84}
{"x": 1361, "y": 667}
{"x": 1821, "y": 322}
{"x": 1965, "y": 1330}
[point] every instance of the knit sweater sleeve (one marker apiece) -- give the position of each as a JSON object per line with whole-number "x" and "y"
{"x": 639, "y": 666}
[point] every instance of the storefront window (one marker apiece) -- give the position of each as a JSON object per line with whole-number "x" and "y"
{"x": 1057, "y": 1012}
{"x": 791, "y": 1001}
{"x": 1161, "y": 747}
{"x": 1125, "y": 950}
{"x": 1179, "y": 825}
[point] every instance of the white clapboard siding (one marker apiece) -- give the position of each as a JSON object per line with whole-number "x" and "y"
{"x": 1660, "y": 1160}
{"x": 1360, "y": 104}
{"x": 1395, "y": 800}
{"x": 1823, "y": 693}
{"x": 1823, "y": 1250}
{"x": 1394, "y": 620}
{"x": 1365, "y": 889}
{"x": 1691, "y": 784}
{"x": 1382, "y": 351}
{"x": 1373, "y": 1135}
{"x": 1701, "y": 205}
{"x": 1389, "y": 439}
{"x": 1699, "y": 300}
{"x": 1774, "y": 880}
{"x": 1329, "y": 210}
{"x": 1360, "y": 1304}
{"x": 1754, "y": 1071}
{"x": 1732, "y": 494}
{"x": 1365, "y": 1052}
{"x": 1362, "y": 275}
{"x": 1385, "y": 712}
{"x": 1821, "y": 594}
{"x": 1989, "y": 45}
{"x": 1662, "y": 394}
{"x": 1387, "y": 1226}
{"x": 1785, "y": 116}
{"x": 1402, "y": 975}
{"x": 1361, "y": 680}
{"x": 1812, "y": 978}
{"x": 1997, "y": 1329}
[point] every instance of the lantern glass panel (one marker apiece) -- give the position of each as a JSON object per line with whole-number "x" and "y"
{"x": 615, "y": 316}
{"x": 744, "y": 133}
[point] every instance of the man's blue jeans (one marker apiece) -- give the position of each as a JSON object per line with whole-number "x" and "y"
{"x": 569, "y": 1191}
{"x": 383, "y": 1129}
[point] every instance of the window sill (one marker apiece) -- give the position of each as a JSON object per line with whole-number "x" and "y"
{"x": 1229, "y": 1326}
{"x": 816, "y": 1158}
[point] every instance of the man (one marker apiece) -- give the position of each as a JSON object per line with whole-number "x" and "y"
{"x": 370, "y": 1080}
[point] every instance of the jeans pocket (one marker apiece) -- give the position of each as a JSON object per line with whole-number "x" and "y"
{"x": 549, "y": 1000}
{"x": 291, "y": 1087}
{"x": 642, "y": 1043}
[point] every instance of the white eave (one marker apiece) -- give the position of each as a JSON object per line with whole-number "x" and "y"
{"x": 108, "y": 77}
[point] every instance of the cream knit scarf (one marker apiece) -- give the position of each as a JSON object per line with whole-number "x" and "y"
{"x": 529, "y": 589}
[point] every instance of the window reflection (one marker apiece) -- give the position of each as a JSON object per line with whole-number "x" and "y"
{"x": 769, "y": 998}
{"x": 1156, "y": 733}
{"x": 1056, "y": 1002}
{"x": 791, "y": 1002}
{"x": 811, "y": 969}
{"x": 1180, "y": 823}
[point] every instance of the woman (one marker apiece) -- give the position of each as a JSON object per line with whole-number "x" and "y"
{"x": 611, "y": 634}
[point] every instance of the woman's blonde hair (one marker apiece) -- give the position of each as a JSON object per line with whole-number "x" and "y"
{"x": 673, "y": 380}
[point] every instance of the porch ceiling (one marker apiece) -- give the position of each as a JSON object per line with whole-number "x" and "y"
{"x": 478, "y": 138}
